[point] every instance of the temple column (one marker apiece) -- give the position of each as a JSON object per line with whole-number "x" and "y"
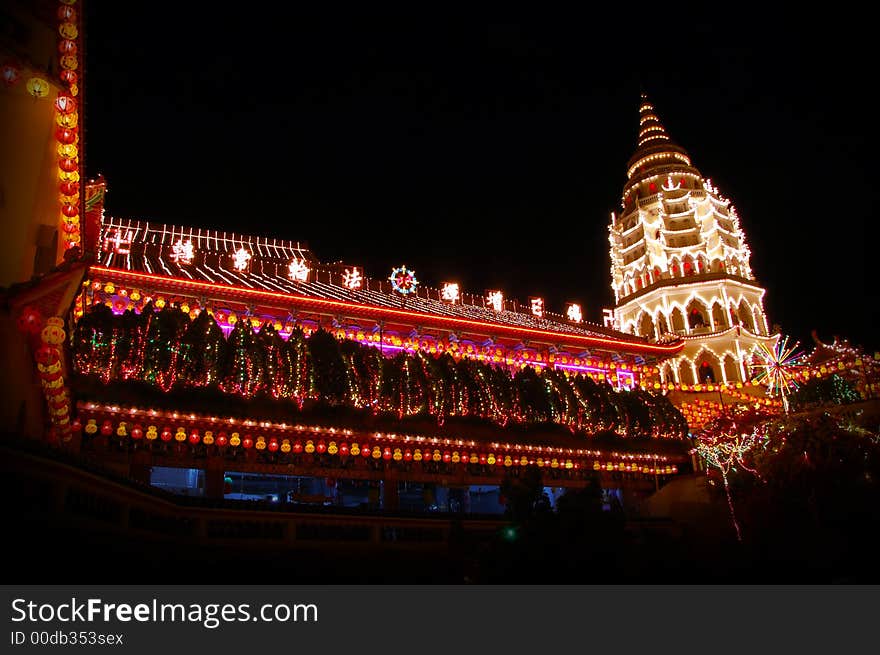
{"x": 214, "y": 475}
{"x": 140, "y": 466}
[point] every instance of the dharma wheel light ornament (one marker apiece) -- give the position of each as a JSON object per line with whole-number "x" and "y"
{"x": 403, "y": 281}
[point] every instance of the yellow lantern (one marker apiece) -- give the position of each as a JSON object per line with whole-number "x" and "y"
{"x": 37, "y": 87}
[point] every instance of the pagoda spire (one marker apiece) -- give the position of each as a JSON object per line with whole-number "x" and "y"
{"x": 651, "y": 130}
{"x": 654, "y": 149}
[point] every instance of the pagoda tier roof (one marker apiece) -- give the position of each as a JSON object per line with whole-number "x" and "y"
{"x": 146, "y": 258}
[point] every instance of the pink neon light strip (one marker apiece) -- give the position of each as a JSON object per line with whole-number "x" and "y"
{"x": 408, "y": 315}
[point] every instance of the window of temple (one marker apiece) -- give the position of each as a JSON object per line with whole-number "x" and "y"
{"x": 705, "y": 371}
{"x": 677, "y": 320}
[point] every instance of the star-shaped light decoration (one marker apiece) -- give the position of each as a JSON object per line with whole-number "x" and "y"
{"x": 778, "y": 367}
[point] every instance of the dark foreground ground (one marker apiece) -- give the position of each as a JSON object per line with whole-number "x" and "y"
{"x": 79, "y": 531}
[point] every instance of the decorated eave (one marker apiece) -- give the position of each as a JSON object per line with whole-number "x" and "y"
{"x": 270, "y": 278}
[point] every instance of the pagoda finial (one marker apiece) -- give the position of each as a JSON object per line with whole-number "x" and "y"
{"x": 651, "y": 130}
{"x": 655, "y": 149}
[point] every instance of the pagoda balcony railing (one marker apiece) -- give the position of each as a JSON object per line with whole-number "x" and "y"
{"x": 648, "y": 200}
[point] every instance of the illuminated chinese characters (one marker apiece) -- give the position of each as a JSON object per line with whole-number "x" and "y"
{"x": 298, "y": 271}
{"x": 449, "y": 292}
{"x": 240, "y": 259}
{"x": 118, "y": 241}
{"x": 537, "y": 305}
{"x": 182, "y": 252}
{"x": 573, "y": 313}
{"x": 495, "y": 300}
{"x": 352, "y": 278}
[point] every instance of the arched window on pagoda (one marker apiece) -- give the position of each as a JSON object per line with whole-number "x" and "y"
{"x": 638, "y": 283}
{"x": 697, "y": 315}
{"x": 657, "y": 273}
{"x": 706, "y": 372}
{"x": 686, "y": 372}
{"x": 662, "y": 325}
{"x": 676, "y": 318}
{"x": 687, "y": 265}
{"x": 731, "y": 368}
{"x": 701, "y": 264}
{"x": 760, "y": 326}
{"x": 646, "y": 326}
{"x": 674, "y": 268}
{"x": 745, "y": 316}
{"x": 718, "y": 316}
{"x": 717, "y": 266}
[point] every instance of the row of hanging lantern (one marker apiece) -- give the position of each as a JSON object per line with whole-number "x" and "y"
{"x": 67, "y": 120}
{"x": 137, "y": 433}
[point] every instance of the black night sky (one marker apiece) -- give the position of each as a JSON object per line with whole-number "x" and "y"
{"x": 490, "y": 148}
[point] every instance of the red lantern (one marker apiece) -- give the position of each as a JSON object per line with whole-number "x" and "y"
{"x": 69, "y": 77}
{"x": 447, "y": 457}
{"x": 343, "y": 449}
{"x": 69, "y": 210}
{"x": 166, "y": 434}
{"x": 68, "y": 165}
{"x": 273, "y": 445}
{"x": 30, "y": 321}
{"x": 222, "y": 439}
{"x": 297, "y": 446}
{"x": 137, "y": 432}
{"x": 386, "y": 454}
{"x": 65, "y": 103}
{"x": 106, "y": 428}
{"x": 66, "y": 14}
{"x": 365, "y": 450}
{"x": 67, "y": 47}
{"x": 247, "y": 442}
{"x": 321, "y": 447}
{"x": 76, "y": 425}
{"x": 483, "y": 458}
{"x": 10, "y": 74}
{"x": 407, "y": 455}
{"x": 47, "y": 355}
{"x": 69, "y": 187}
{"x": 194, "y": 437}
{"x": 66, "y": 136}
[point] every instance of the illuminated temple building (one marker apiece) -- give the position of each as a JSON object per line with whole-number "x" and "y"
{"x": 680, "y": 264}
{"x": 233, "y": 366}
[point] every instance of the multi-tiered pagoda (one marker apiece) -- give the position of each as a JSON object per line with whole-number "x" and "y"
{"x": 680, "y": 264}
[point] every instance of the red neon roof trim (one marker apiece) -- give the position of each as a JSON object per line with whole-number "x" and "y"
{"x": 618, "y": 344}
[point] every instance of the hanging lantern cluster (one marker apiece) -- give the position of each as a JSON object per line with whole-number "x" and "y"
{"x": 46, "y": 340}
{"x": 67, "y": 120}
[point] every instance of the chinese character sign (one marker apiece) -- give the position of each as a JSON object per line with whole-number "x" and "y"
{"x": 298, "y": 270}
{"x": 118, "y": 241}
{"x": 240, "y": 259}
{"x": 608, "y": 319}
{"x": 449, "y": 292}
{"x": 495, "y": 300}
{"x": 573, "y": 312}
{"x": 182, "y": 252}
{"x": 537, "y": 307}
{"x": 352, "y": 278}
